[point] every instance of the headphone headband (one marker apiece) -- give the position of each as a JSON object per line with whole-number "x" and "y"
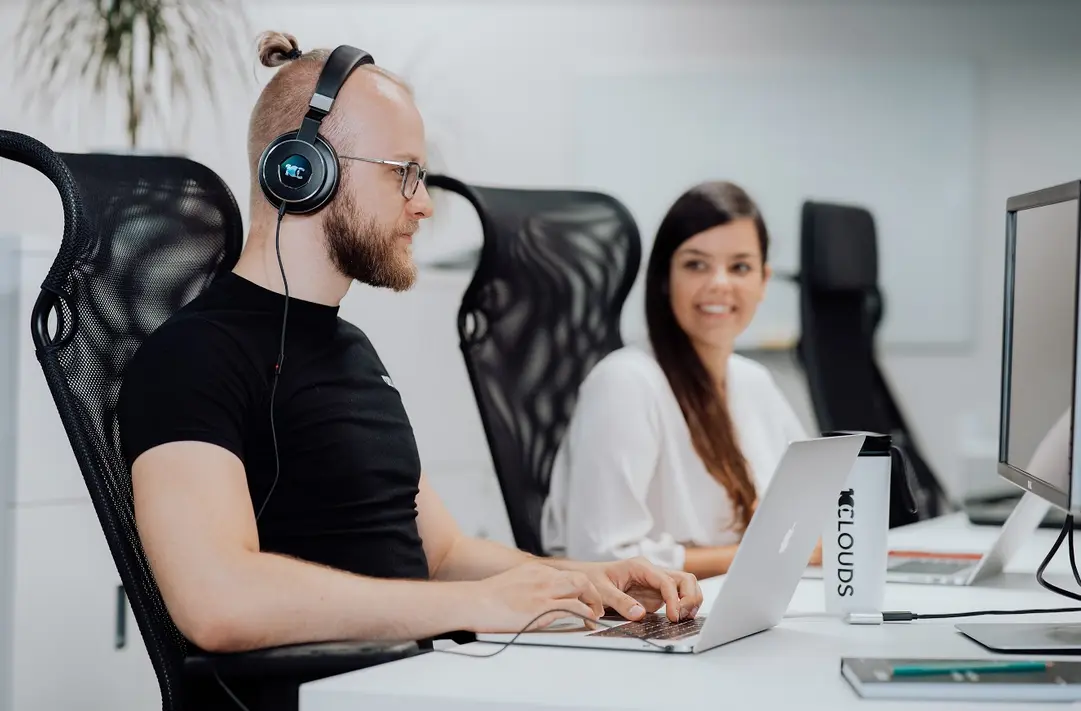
{"x": 339, "y": 65}
{"x": 300, "y": 169}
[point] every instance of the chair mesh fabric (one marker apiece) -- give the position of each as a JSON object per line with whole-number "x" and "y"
{"x": 542, "y": 309}
{"x": 143, "y": 236}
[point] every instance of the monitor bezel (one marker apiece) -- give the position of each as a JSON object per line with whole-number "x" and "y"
{"x": 1069, "y": 500}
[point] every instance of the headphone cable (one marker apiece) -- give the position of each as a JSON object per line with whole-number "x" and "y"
{"x": 502, "y": 646}
{"x": 514, "y": 640}
{"x": 273, "y": 390}
{"x": 278, "y": 363}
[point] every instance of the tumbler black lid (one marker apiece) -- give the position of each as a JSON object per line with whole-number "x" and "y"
{"x": 874, "y": 442}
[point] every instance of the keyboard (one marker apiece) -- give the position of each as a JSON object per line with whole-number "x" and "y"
{"x": 995, "y": 513}
{"x": 930, "y": 566}
{"x": 654, "y": 627}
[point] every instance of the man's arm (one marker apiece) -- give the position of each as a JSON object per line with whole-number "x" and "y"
{"x": 196, "y": 523}
{"x": 198, "y": 529}
{"x": 631, "y": 587}
{"x": 454, "y": 556}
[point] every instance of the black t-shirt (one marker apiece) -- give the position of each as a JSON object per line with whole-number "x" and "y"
{"x": 346, "y": 493}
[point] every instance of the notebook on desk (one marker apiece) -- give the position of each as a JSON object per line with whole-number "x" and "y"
{"x": 989, "y": 679}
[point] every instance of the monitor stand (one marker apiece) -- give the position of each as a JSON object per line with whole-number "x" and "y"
{"x": 1025, "y": 637}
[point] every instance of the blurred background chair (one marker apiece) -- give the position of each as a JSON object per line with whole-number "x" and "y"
{"x": 142, "y": 237}
{"x": 841, "y": 308}
{"x": 543, "y": 307}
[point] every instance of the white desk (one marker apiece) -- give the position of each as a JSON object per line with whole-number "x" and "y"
{"x": 795, "y": 665}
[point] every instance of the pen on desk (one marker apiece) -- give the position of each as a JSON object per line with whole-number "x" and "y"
{"x": 989, "y": 668}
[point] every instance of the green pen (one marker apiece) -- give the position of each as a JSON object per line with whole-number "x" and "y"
{"x": 989, "y": 668}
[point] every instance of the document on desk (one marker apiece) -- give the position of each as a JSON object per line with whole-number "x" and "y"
{"x": 989, "y": 679}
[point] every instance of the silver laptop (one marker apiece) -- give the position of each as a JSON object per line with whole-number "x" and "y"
{"x": 768, "y": 565}
{"x": 947, "y": 568}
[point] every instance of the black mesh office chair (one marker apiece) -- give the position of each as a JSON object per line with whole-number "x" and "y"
{"x": 542, "y": 309}
{"x": 142, "y": 236}
{"x": 841, "y": 308}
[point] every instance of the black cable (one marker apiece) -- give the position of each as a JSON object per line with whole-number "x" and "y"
{"x": 229, "y": 691}
{"x": 1073, "y": 562}
{"x": 1067, "y": 527}
{"x": 906, "y": 616}
{"x": 512, "y": 640}
{"x": 278, "y": 362}
{"x": 503, "y": 646}
{"x": 273, "y": 391}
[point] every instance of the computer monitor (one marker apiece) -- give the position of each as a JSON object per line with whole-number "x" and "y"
{"x": 1040, "y": 383}
{"x": 1040, "y": 377}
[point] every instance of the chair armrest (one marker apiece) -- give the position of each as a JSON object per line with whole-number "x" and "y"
{"x": 313, "y": 660}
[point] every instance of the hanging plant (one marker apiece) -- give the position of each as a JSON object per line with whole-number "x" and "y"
{"x": 129, "y": 47}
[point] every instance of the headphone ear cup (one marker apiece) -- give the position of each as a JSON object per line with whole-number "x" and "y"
{"x": 301, "y": 175}
{"x": 329, "y": 186}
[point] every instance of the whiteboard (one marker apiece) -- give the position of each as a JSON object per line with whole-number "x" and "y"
{"x": 896, "y": 138}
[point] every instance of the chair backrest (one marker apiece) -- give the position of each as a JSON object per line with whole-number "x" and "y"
{"x": 142, "y": 237}
{"x": 841, "y": 308}
{"x": 542, "y": 309}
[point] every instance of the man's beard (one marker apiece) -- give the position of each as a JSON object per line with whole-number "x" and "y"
{"x": 365, "y": 251}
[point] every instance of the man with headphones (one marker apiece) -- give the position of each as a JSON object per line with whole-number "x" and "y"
{"x": 278, "y": 489}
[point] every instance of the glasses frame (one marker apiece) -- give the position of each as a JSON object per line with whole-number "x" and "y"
{"x": 422, "y": 172}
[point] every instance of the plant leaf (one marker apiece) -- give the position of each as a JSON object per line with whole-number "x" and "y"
{"x": 122, "y": 44}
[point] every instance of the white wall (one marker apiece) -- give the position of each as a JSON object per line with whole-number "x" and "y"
{"x": 493, "y": 80}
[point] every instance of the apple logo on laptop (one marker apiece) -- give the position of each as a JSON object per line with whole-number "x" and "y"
{"x": 787, "y": 538}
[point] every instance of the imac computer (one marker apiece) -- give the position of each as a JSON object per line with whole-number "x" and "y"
{"x": 1041, "y": 381}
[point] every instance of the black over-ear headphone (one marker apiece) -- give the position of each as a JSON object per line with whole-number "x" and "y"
{"x": 299, "y": 169}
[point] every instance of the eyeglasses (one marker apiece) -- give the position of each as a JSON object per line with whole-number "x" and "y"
{"x": 413, "y": 174}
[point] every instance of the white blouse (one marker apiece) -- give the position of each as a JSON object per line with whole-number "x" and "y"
{"x": 627, "y": 480}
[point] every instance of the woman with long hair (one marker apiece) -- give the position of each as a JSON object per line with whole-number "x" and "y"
{"x": 669, "y": 446}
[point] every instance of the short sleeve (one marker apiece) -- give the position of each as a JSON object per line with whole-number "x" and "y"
{"x": 189, "y": 381}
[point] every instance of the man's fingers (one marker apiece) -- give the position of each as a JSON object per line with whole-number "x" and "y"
{"x": 625, "y": 605}
{"x": 565, "y": 612}
{"x": 663, "y": 584}
{"x": 545, "y": 620}
{"x": 580, "y": 586}
{"x": 690, "y": 593}
{"x": 581, "y": 610}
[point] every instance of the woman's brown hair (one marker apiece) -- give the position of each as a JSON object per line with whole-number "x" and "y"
{"x": 701, "y": 208}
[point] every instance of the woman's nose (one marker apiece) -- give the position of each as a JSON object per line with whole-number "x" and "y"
{"x": 719, "y": 279}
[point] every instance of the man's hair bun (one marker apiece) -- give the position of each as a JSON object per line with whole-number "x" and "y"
{"x": 277, "y": 48}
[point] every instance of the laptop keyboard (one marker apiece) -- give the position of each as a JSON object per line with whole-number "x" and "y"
{"x": 654, "y": 627}
{"x": 930, "y": 567}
